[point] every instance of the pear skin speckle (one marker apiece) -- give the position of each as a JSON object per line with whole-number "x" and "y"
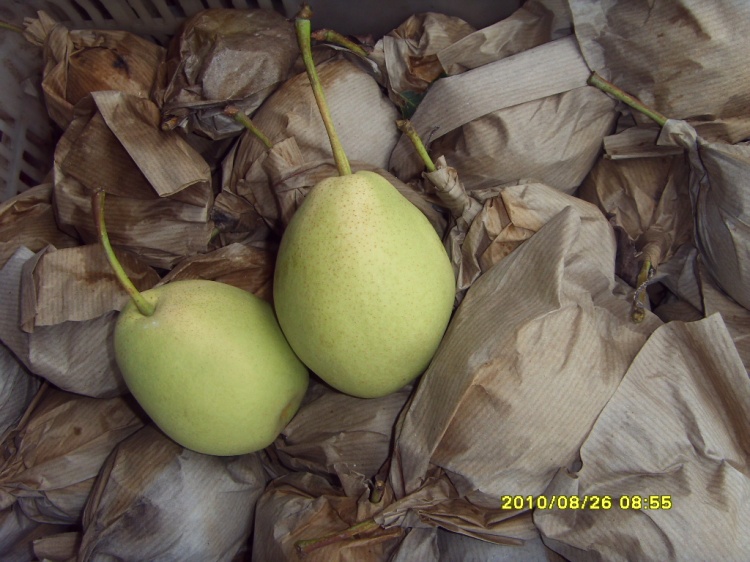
{"x": 363, "y": 286}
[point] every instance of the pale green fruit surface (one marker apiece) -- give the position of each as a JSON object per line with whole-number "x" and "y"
{"x": 211, "y": 366}
{"x": 363, "y": 287}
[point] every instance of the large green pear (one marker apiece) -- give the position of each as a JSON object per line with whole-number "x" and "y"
{"x": 363, "y": 287}
{"x": 210, "y": 366}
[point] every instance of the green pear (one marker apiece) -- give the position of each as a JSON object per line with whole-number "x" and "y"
{"x": 207, "y": 362}
{"x": 363, "y": 287}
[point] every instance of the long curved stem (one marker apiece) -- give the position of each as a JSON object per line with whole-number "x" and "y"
{"x": 145, "y": 307}
{"x": 331, "y": 36}
{"x": 302, "y": 26}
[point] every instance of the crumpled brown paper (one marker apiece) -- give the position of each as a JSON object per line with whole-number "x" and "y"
{"x": 154, "y": 500}
{"x": 532, "y": 24}
{"x": 335, "y": 435}
{"x": 674, "y": 434}
{"x": 79, "y": 62}
{"x": 17, "y": 388}
{"x": 407, "y": 56}
{"x": 241, "y": 265}
{"x": 364, "y": 117}
{"x": 28, "y": 219}
{"x": 721, "y": 205}
{"x": 544, "y": 124}
{"x": 265, "y": 194}
{"x": 224, "y": 56}
{"x": 76, "y": 356}
{"x": 18, "y": 534}
{"x": 51, "y": 458}
{"x": 685, "y": 59}
{"x": 647, "y": 199}
{"x": 159, "y": 188}
{"x": 543, "y": 327}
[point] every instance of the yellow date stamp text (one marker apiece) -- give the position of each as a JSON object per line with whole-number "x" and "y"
{"x": 590, "y": 502}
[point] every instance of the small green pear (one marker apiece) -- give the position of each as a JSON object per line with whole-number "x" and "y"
{"x": 207, "y": 362}
{"x": 363, "y": 287}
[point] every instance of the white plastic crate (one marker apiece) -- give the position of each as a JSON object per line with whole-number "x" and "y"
{"x": 27, "y": 137}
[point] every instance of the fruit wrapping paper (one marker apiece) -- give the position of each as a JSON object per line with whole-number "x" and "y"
{"x": 115, "y": 144}
{"x": 544, "y": 120}
{"x": 364, "y": 117}
{"x": 81, "y": 61}
{"x": 541, "y": 352}
{"x": 648, "y": 202}
{"x": 29, "y": 220}
{"x": 694, "y": 450}
{"x": 407, "y": 56}
{"x": 207, "y": 67}
{"x": 662, "y": 52}
{"x": 156, "y": 500}
{"x": 51, "y": 457}
{"x": 260, "y": 203}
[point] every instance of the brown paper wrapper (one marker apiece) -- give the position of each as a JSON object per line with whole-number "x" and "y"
{"x": 155, "y": 500}
{"x": 18, "y": 534}
{"x": 17, "y": 388}
{"x": 364, "y": 118}
{"x": 408, "y": 55}
{"x": 721, "y": 206}
{"x": 661, "y": 53}
{"x": 51, "y": 458}
{"x": 647, "y": 200}
{"x": 341, "y": 437}
{"x": 158, "y": 211}
{"x": 79, "y": 62}
{"x": 28, "y": 219}
{"x": 509, "y": 356}
{"x": 60, "y": 316}
{"x": 674, "y": 435}
{"x": 547, "y": 124}
{"x": 303, "y": 505}
{"x": 244, "y": 266}
{"x": 275, "y": 184}
{"x": 534, "y": 23}
{"x": 207, "y": 67}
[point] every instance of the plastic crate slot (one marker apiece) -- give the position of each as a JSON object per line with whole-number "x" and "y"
{"x": 101, "y": 8}
{"x": 175, "y": 7}
{"x": 33, "y": 160}
{"x": 27, "y": 181}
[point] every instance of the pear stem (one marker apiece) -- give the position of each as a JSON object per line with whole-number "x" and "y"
{"x": 331, "y": 36}
{"x": 369, "y": 528}
{"x": 241, "y": 117}
{"x": 302, "y": 26}
{"x": 619, "y": 94}
{"x": 640, "y": 298}
{"x": 144, "y": 306}
{"x": 10, "y": 27}
{"x": 406, "y": 127}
